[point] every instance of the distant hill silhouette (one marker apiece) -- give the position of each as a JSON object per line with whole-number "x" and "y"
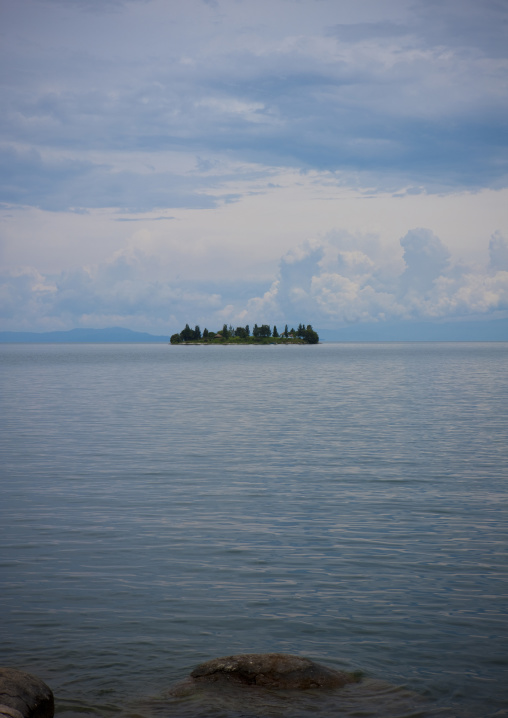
{"x": 112, "y": 335}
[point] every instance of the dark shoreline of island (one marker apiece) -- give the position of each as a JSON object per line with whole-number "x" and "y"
{"x": 263, "y": 334}
{"x": 242, "y": 342}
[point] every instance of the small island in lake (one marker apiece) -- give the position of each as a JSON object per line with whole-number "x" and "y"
{"x": 242, "y": 335}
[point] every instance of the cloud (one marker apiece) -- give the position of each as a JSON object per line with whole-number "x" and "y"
{"x": 414, "y": 96}
{"x": 94, "y": 6}
{"x": 57, "y": 183}
{"x": 97, "y": 299}
{"x": 129, "y": 289}
{"x": 462, "y": 25}
{"x": 332, "y": 283}
{"x": 363, "y": 31}
{"x": 426, "y": 259}
{"x": 466, "y": 24}
{"x": 498, "y": 253}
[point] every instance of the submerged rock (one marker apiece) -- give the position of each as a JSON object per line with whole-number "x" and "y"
{"x": 264, "y": 685}
{"x": 271, "y": 670}
{"x": 24, "y": 696}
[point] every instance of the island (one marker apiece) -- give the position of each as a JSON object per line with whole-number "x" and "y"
{"x": 263, "y": 334}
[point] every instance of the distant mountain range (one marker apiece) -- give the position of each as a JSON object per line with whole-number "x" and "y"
{"x": 475, "y": 331}
{"x": 113, "y": 335}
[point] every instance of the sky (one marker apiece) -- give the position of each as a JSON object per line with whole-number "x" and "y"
{"x": 332, "y": 162}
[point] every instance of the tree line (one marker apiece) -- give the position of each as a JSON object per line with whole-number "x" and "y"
{"x": 187, "y": 334}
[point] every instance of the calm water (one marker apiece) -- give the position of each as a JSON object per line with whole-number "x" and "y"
{"x": 165, "y": 505}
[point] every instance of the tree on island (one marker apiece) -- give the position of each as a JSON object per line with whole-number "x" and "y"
{"x": 242, "y": 332}
{"x": 229, "y": 333}
{"x": 262, "y": 331}
{"x": 309, "y": 335}
{"x": 187, "y": 335}
{"x": 306, "y": 333}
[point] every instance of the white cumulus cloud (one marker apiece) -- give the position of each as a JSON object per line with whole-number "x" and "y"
{"x": 331, "y": 283}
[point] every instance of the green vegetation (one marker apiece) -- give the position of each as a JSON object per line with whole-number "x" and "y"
{"x": 242, "y": 335}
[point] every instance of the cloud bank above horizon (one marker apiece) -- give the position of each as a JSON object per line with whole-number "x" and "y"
{"x": 338, "y": 280}
{"x": 224, "y": 160}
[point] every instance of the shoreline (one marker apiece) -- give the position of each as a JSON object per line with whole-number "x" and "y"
{"x": 243, "y": 342}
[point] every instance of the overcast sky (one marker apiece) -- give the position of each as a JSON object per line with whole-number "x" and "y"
{"x": 241, "y": 161}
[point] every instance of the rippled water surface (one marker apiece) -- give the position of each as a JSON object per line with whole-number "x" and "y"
{"x": 165, "y": 505}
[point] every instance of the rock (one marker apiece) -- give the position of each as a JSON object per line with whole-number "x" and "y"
{"x": 6, "y": 712}
{"x": 271, "y": 670}
{"x": 24, "y": 696}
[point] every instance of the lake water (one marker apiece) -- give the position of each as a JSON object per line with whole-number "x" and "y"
{"x": 163, "y": 505}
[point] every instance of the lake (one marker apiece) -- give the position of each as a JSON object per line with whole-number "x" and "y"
{"x": 164, "y": 505}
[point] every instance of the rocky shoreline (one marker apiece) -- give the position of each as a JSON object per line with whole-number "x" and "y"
{"x": 267, "y": 683}
{"x": 23, "y": 695}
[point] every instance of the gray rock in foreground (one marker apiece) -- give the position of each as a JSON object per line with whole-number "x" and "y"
{"x": 271, "y": 670}
{"x": 24, "y": 696}
{"x": 7, "y": 712}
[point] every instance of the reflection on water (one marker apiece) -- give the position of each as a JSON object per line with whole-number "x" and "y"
{"x": 371, "y": 699}
{"x": 164, "y": 505}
